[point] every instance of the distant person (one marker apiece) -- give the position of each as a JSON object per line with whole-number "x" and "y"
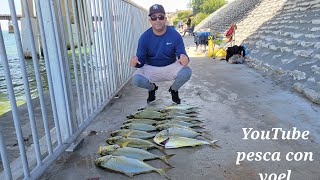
{"x": 161, "y": 56}
{"x": 188, "y": 23}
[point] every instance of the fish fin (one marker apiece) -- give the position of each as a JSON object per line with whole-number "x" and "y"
{"x": 140, "y": 109}
{"x": 198, "y": 125}
{"x": 128, "y": 134}
{"x": 125, "y": 144}
{"x": 204, "y": 132}
{"x": 161, "y": 149}
{"x": 162, "y": 172}
{"x": 196, "y": 121}
{"x": 129, "y": 174}
{"x": 131, "y": 116}
{"x": 213, "y": 144}
{"x": 99, "y": 150}
{"x": 165, "y": 159}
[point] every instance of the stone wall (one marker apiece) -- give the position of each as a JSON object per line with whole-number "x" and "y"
{"x": 285, "y": 40}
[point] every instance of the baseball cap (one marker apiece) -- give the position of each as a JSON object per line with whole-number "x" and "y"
{"x": 155, "y": 9}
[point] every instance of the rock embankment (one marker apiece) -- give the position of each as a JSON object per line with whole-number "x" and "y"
{"x": 284, "y": 38}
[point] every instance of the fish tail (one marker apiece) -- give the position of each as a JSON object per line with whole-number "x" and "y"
{"x": 161, "y": 149}
{"x": 195, "y": 121}
{"x": 206, "y": 135}
{"x": 192, "y": 112}
{"x": 213, "y": 144}
{"x": 162, "y": 172}
{"x": 199, "y": 125}
{"x": 165, "y": 158}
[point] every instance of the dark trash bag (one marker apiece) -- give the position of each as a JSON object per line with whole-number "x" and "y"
{"x": 235, "y": 50}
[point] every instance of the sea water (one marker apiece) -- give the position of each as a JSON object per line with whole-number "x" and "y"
{"x": 16, "y": 74}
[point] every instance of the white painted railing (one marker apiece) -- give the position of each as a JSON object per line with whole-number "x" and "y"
{"x": 101, "y": 36}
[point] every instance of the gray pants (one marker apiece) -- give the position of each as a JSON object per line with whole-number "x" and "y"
{"x": 147, "y": 75}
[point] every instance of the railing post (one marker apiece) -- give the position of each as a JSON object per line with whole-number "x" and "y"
{"x": 56, "y": 60}
{"x": 26, "y": 39}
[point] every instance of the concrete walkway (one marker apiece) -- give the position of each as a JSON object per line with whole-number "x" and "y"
{"x": 231, "y": 97}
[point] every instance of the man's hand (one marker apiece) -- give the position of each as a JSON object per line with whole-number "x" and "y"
{"x": 183, "y": 59}
{"x": 134, "y": 61}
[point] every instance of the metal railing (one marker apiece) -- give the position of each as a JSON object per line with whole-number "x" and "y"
{"x": 86, "y": 46}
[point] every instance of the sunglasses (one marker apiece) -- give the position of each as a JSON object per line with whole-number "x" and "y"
{"x": 154, "y": 18}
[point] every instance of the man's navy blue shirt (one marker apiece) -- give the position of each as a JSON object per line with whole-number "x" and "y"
{"x": 161, "y": 50}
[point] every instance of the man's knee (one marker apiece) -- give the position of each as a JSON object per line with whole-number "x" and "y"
{"x": 185, "y": 73}
{"x": 139, "y": 80}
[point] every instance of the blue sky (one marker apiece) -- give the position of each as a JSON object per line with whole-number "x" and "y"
{"x": 169, "y": 5}
{"x": 5, "y": 6}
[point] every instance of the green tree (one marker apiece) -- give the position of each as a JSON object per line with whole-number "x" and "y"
{"x": 181, "y": 15}
{"x": 199, "y": 17}
{"x": 211, "y": 6}
{"x": 196, "y": 6}
{"x": 206, "y": 6}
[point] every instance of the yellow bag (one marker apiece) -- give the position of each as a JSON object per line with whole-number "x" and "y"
{"x": 210, "y": 46}
{"x": 219, "y": 52}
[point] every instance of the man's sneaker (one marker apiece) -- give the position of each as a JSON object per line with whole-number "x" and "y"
{"x": 152, "y": 94}
{"x": 175, "y": 96}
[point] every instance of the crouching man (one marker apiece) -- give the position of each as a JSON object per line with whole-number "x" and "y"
{"x": 161, "y": 56}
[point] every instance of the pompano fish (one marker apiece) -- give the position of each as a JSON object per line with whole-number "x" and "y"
{"x": 188, "y": 120}
{"x": 167, "y": 126}
{"x": 132, "y": 133}
{"x": 174, "y": 114}
{"x": 185, "y": 118}
{"x": 184, "y": 111}
{"x": 130, "y": 152}
{"x": 170, "y": 142}
{"x": 182, "y": 132}
{"x": 179, "y": 106}
{"x": 127, "y": 166}
{"x": 133, "y": 142}
{"x": 161, "y": 114}
{"x": 172, "y": 110}
{"x": 149, "y": 115}
{"x": 181, "y": 123}
{"x": 155, "y": 122}
{"x": 143, "y": 121}
{"x": 139, "y": 126}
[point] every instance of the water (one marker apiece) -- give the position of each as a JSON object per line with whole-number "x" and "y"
{"x": 16, "y": 75}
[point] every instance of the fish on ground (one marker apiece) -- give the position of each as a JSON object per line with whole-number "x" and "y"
{"x": 183, "y": 132}
{"x": 149, "y": 115}
{"x": 127, "y": 166}
{"x": 169, "y": 125}
{"x": 180, "y": 106}
{"x": 132, "y": 133}
{"x": 139, "y": 126}
{"x": 170, "y": 142}
{"x": 143, "y": 121}
{"x": 181, "y": 123}
{"x": 130, "y": 152}
{"x": 134, "y": 142}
